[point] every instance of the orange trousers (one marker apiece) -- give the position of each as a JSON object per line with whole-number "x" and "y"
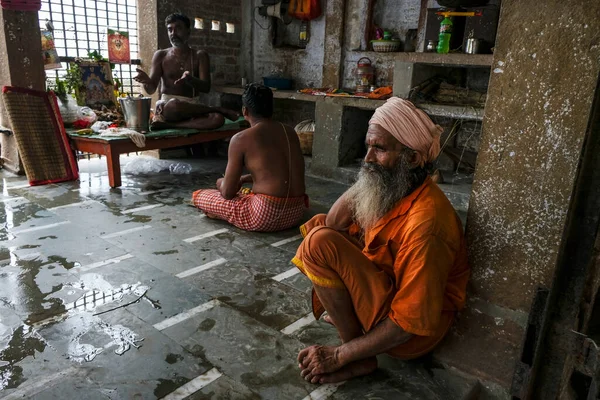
{"x": 332, "y": 259}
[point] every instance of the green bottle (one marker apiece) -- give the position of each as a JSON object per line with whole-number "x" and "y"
{"x": 443, "y": 46}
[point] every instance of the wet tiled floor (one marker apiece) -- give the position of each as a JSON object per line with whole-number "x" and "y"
{"x": 131, "y": 293}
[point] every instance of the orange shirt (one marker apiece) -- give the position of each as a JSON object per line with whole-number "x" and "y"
{"x": 420, "y": 245}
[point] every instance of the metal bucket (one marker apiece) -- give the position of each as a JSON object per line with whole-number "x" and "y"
{"x": 136, "y": 111}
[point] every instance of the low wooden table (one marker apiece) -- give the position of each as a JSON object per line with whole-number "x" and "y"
{"x": 112, "y": 147}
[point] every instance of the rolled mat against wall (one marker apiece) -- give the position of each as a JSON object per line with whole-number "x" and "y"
{"x": 40, "y": 135}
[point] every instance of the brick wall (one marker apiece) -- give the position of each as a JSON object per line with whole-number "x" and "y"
{"x": 224, "y": 48}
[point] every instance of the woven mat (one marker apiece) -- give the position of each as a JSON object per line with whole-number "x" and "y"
{"x": 41, "y": 138}
{"x": 240, "y": 124}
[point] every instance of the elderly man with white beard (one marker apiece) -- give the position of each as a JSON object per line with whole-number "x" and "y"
{"x": 388, "y": 263}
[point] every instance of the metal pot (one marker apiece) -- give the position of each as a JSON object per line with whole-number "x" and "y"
{"x": 136, "y": 111}
{"x": 472, "y": 46}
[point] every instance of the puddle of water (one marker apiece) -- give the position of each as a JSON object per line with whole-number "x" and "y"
{"x": 166, "y": 386}
{"x": 162, "y": 253}
{"x": 99, "y": 292}
{"x": 83, "y": 324}
{"x": 173, "y": 358}
{"x": 207, "y": 325}
{"x": 28, "y": 287}
{"x": 23, "y": 343}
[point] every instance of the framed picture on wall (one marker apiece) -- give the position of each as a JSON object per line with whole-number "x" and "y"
{"x": 96, "y": 83}
{"x": 118, "y": 47}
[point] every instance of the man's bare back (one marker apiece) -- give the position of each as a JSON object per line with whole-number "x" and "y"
{"x": 273, "y": 159}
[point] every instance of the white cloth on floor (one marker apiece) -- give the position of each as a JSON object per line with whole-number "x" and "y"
{"x": 136, "y": 137}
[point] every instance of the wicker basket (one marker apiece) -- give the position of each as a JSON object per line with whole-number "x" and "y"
{"x": 386, "y": 46}
{"x": 305, "y": 131}
{"x": 21, "y": 5}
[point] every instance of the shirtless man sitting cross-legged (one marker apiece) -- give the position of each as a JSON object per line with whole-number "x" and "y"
{"x": 182, "y": 73}
{"x": 270, "y": 151}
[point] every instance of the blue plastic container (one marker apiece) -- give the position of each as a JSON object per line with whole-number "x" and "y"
{"x": 278, "y": 83}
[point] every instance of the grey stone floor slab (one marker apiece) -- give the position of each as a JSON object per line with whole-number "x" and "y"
{"x": 167, "y": 295}
{"x": 225, "y": 388}
{"x": 266, "y": 300}
{"x": 152, "y": 361}
{"x": 108, "y": 240}
{"x": 232, "y": 341}
{"x": 70, "y": 243}
{"x": 299, "y": 282}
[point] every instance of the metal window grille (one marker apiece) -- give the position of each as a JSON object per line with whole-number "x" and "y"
{"x": 80, "y": 27}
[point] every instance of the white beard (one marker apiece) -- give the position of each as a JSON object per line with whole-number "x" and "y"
{"x": 377, "y": 191}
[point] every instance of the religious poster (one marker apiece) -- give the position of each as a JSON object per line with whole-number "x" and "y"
{"x": 118, "y": 47}
{"x": 49, "y": 53}
{"x": 97, "y": 83}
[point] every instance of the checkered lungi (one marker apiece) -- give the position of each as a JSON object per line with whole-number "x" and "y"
{"x": 253, "y": 212}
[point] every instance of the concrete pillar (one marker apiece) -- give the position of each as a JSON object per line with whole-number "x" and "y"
{"x": 148, "y": 35}
{"x": 334, "y": 31}
{"x": 539, "y": 101}
{"x": 247, "y": 42}
{"x": 20, "y": 65}
{"x": 329, "y": 119}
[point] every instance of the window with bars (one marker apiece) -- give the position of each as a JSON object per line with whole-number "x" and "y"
{"x": 80, "y": 27}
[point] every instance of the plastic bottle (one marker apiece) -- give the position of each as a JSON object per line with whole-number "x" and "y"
{"x": 303, "y": 34}
{"x": 443, "y": 46}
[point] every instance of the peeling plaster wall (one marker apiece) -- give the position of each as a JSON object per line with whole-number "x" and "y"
{"x": 305, "y": 66}
{"x": 397, "y": 16}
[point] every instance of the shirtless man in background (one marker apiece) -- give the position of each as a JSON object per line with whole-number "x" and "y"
{"x": 182, "y": 73}
{"x": 271, "y": 152}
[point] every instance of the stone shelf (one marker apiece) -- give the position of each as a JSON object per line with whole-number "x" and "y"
{"x": 450, "y": 59}
{"x": 440, "y": 110}
{"x": 453, "y": 111}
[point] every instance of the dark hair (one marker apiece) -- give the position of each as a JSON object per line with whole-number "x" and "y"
{"x": 258, "y": 100}
{"x": 178, "y": 17}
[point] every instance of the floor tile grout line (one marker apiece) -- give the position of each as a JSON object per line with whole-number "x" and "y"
{"x": 149, "y": 192}
{"x": 174, "y": 320}
{"x": 143, "y": 208}
{"x": 194, "y": 385}
{"x": 79, "y": 203}
{"x": 114, "y": 260}
{"x": 39, "y": 228}
{"x": 203, "y": 267}
{"x": 33, "y": 387}
{"x": 324, "y": 391}
{"x": 125, "y": 232}
{"x": 23, "y": 186}
{"x": 205, "y": 235}
{"x": 295, "y": 326}
{"x": 287, "y": 274}
{"x": 286, "y": 241}
{"x": 6, "y": 200}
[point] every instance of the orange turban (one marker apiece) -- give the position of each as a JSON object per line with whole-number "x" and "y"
{"x": 411, "y": 127}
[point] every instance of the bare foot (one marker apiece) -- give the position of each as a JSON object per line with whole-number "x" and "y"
{"x": 158, "y": 125}
{"x": 327, "y": 319}
{"x": 209, "y": 215}
{"x": 352, "y": 370}
{"x": 230, "y": 114}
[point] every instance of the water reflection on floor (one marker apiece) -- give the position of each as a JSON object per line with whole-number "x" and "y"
{"x": 101, "y": 296}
